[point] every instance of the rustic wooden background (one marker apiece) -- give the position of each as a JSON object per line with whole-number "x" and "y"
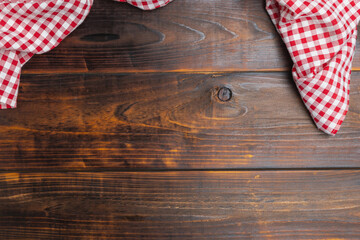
{"x": 120, "y": 134}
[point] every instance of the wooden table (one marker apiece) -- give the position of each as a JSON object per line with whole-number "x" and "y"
{"x": 121, "y": 133}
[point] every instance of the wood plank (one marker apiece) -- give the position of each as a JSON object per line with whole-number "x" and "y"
{"x": 181, "y": 205}
{"x": 186, "y": 35}
{"x": 169, "y": 121}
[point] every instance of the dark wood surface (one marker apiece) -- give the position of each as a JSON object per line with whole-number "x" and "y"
{"x": 181, "y": 205}
{"x": 170, "y": 121}
{"x": 121, "y": 133}
{"x": 186, "y": 36}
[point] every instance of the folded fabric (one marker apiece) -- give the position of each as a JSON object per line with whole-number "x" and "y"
{"x": 29, "y": 27}
{"x": 320, "y": 36}
{"x": 146, "y": 4}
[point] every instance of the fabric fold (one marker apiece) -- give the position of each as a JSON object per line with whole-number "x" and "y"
{"x": 147, "y": 4}
{"x": 29, "y": 27}
{"x": 320, "y": 36}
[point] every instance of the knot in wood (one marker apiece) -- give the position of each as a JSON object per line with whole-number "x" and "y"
{"x": 224, "y": 94}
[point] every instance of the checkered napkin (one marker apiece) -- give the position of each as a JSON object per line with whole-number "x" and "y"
{"x": 320, "y": 36}
{"x": 29, "y": 27}
{"x": 146, "y": 4}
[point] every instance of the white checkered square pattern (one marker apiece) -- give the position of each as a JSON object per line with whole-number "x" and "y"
{"x": 146, "y": 4}
{"x": 320, "y": 36}
{"x": 29, "y": 27}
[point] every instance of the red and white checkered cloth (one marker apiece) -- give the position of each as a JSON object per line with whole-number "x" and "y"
{"x": 320, "y": 36}
{"x": 29, "y": 27}
{"x": 147, "y": 4}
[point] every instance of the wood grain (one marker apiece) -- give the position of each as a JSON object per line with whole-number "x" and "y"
{"x": 186, "y": 35}
{"x": 170, "y": 121}
{"x": 125, "y": 134}
{"x": 181, "y": 205}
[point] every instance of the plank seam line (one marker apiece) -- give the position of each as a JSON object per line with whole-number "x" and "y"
{"x": 24, "y": 73}
{"x": 183, "y": 170}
